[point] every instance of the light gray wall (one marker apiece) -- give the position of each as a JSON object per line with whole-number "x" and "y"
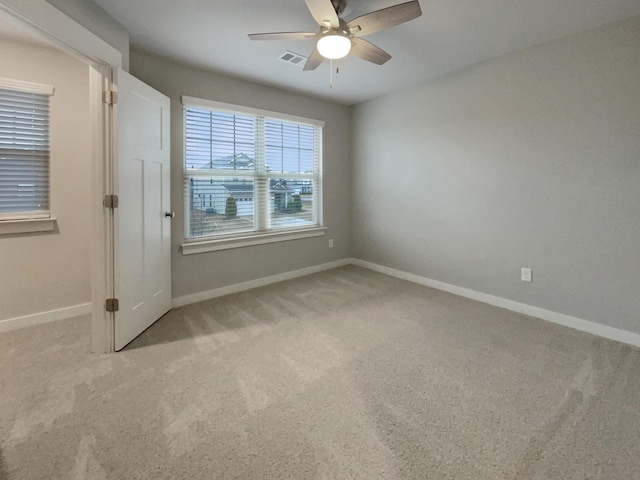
{"x": 99, "y": 22}
{"x": 206, "y": 271}
{"x": 46, "y": 271}
{"x": 532, "y": 159}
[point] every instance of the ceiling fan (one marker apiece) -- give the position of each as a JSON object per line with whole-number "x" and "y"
{"x": 337, "y": 38}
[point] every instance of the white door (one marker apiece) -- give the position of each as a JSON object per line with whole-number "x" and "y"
{"x": 142, "y": 227}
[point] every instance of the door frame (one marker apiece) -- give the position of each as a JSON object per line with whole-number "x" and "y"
{"x": 49, "y": 23}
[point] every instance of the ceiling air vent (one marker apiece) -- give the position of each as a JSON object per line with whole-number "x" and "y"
{"x": 293, "y": 59}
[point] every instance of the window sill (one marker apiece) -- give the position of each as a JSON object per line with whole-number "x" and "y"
{"x": 32, "y": 225}
{"x": 214, "y": 245}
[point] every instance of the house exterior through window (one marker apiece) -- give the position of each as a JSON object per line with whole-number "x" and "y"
{"x": 249, "y": 172}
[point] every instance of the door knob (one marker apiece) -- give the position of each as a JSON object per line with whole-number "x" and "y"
{"x": 170, "y": 214}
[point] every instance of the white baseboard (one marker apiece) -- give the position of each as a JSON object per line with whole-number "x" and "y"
{"x": 44, "y": 317}
{"x": 260, "y": 282}
{"x": 598, "y": 329}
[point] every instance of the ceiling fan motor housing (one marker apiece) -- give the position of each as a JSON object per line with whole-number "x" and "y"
{"x": 339, "y": 5}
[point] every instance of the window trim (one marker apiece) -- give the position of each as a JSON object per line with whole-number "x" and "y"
{"x": 32, "y": 225}
{"x": 192, "y": 246}
{"x": 27, "y": 87}
{"x": 231, "y": 108}
{"x": 28, "y": 222}
{"x": 238, "y": 241}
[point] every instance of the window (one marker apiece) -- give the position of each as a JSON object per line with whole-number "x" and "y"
{"x": 249, "y": 173}
{"x": 24, "y": 151}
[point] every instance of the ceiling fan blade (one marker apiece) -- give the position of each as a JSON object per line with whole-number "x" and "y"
{"x": 282, "y": 36}
{"x": 323, "y": 11}
{"x": 368, "y": 51}
{"x": 384, "y": 18}
{"x": 315, "y": 59}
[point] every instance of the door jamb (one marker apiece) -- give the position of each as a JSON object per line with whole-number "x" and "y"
{"x": 102, "y": 264}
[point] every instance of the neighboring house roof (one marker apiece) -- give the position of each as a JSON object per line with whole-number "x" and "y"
{"x": 239, "y": 161}
{"x": 279, "y": 188}
{"x": 247, "y": 188}
{"x": 244, "y": 188}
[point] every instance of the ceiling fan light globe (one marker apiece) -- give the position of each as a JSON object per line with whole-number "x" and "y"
{"x": 334, "y": 45}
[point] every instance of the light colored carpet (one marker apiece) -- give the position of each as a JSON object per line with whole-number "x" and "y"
{"x": 339, "y": 375}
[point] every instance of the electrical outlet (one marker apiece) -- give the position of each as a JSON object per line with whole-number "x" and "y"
{"x": 331, "y": 243}
{"x": 526, "y": 275}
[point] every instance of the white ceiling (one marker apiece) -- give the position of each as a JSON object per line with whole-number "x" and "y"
{"x": 451, "y": 34}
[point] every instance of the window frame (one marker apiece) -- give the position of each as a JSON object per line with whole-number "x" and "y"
{"x": 34, "y": 221}
{"x": 194, "y": 245}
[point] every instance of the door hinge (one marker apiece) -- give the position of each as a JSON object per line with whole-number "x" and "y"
{"x": 110, "y": 98}
{"x": 111, "y": 201}
{"x": 112, "y": 305}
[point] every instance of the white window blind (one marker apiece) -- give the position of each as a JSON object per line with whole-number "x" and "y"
{"x": 246, "y": 172}
{"x": 24, "y": 150}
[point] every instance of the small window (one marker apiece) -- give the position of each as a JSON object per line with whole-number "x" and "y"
{"x": 249, "y": 172}
{"x": 24, "y": 150}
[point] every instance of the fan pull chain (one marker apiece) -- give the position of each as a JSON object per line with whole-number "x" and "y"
{"x": 331, "y": 73}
